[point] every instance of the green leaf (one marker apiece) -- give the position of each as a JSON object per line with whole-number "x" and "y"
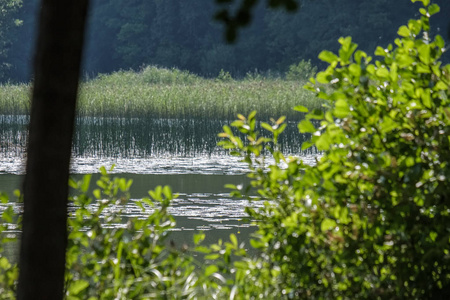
{"x": 8, "y": 214}
{"x": 426, "y": 98}
{"x": 4, "y": 198}
{"x": 198, "y": 237}
{"x": 85, "y": 183}
{"x": 382, "y": 72}
{"x": 328, "y": 56}
{"x": 237, "y": 123}
{"x": 202, "y": 249}
{"x": 327, "y": 224}
{"x": 241, "y": 117}
{"x": 379, "y": 51}
{"x": 231, "y": 186}
{"x": 256, "y": 244}
{"x": 306, "y": 145}
{"x": 73, "y": 183}
{"x": 97, "y": 193}
{"x": 341, "y": 109}
{"x": 323, "y": 77}
{"x": 4, "y": 263}
{"x": 212, "y": 256}
{"x": 306, "y": 126}
{"x": 227, "y": 130}
{"x": 122, "y": 184}
{"x": 101, "y": 184}
{"x": 280, "y": 120}
{"x": 439, "y": 41}
{"x": 433, "y": 9}
{"x": 233, "y": 239}
{"x": 359, "y": 55}
{"x": 77, "y": 286}
{"x": 266, "y": 126}
{"x": 424, "y": 53}
{"x": 129, "y": 183}
{"x": 323, "y": 143}
{"x": 425, "y": 2}
{"x": 347, "y": 49}
{"x": 404, "y": 60}
{"x": 301, "y": 108}
{"x": 388, "y": 125}
{"x": 211, "y": 269}
{"x": 103, "y": 171}
{"x": 316, "y": 114}
{"x": 441, "y": 86}
{"x": 167, "y": 191}
{"x": 355, "y": 70}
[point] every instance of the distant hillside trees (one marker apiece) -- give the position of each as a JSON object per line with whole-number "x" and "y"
{"x": 174, "y": 33}
{"x": 8, "y": 22}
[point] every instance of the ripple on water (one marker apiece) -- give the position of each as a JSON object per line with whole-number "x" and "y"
{"x": 225, "y": 164}
{"x": 193, "y": 211}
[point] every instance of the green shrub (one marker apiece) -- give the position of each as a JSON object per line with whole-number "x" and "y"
{"x": 224, "y": 76}
{"x": 112, "y": 258}
{"x": 301, "y": 71}
{"x": 371, "y": 219}
{"x": 154, "y": 75}
{"x": 109, "y": 257}
{"x": 9, "y": 272}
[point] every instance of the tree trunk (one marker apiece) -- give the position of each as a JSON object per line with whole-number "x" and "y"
{"x": 56, "y": 74}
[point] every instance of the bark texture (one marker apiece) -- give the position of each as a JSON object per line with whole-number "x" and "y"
{"x": 56, "y": 75}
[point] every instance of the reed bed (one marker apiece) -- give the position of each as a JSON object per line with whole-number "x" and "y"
{"x": 205, "y": 99}
{"x": 174, "y": 94}
{"x": 160, "y": 111}
{"x": 15, "y": 99}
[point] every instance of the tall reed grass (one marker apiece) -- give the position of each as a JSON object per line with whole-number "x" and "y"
{"x": 174, "y": 94}
{"x": 157, "y": 111}
{"x": 15, "y": 99}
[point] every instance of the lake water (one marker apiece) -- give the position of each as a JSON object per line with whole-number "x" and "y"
{"x": 203, "y": 203}
{"x": 180, "y": 153}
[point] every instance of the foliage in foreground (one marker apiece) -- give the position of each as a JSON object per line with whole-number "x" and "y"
{"x": 109, "y": 257}
{"x": 369, "y": 221}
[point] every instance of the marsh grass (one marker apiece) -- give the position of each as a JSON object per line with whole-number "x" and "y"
{"x": 15, "y": 99}
{"x": 129, "y": 94}
{"x": 156, "y": 111}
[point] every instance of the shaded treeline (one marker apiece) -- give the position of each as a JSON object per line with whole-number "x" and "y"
{"x": 173, "y": 33}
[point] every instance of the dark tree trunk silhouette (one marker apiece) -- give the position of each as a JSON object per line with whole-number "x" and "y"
{"x": 56, "y": 74}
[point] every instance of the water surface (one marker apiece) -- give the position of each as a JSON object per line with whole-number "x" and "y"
{"x": 203, "y": 203}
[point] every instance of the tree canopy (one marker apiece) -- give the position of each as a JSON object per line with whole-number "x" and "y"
{"x": 172, "y": 33}
{"x": 8, "y": 22}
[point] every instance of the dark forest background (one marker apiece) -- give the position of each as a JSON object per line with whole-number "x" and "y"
{"x": 178, "y": 33}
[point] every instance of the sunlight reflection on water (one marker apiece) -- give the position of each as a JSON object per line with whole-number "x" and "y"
{"x": 193, "y": 210}
{"x": 223, "y": 164}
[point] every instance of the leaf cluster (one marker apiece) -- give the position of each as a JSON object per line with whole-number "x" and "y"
{"x": 9, "y": 272}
